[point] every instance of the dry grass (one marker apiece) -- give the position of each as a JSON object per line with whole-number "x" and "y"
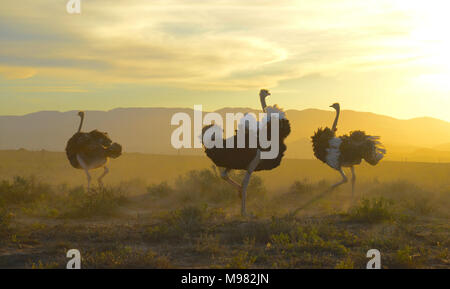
{"x": 193, "y": 222}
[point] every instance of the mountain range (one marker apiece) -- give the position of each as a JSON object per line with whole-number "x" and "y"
{"x": 148, "y": 130}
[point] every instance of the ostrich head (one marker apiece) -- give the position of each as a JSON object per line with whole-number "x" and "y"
{"x": 263, "y": 93}
{"x": 81, "y": 113}
{"x": 336, "y": 106}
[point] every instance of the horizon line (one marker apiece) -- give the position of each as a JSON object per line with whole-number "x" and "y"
{"x": 226, "y": 107}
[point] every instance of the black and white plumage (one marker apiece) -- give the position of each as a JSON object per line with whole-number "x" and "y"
{"x": 247, "y": 158}
{"x": 91, "y": 150}
{"x": 347, "y": 150}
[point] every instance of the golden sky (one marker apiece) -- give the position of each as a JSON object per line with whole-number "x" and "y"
{"x": 385, "y": 56}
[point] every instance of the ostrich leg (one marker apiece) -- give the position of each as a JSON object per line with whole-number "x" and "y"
{"x": 344, "y": 180}
{"x": 86, "y": 170}
{"x": 100, "y": 179}
{"x": 353, "y": 180}
{"x": 88, "y": 179}
{"x": 226, "y": 177}
{"x": 246, "y": 181}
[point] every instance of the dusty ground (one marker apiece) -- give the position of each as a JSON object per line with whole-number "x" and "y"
{"x": 195, "y": 224}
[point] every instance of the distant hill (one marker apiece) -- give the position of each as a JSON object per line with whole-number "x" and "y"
{"x": 443, "y": 147}
{"x": 148, "y": 130}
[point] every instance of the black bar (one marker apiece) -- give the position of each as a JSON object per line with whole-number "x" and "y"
{"x": 289, "y": 278}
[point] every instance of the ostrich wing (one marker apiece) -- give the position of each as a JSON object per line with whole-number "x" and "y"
{"x": 359, "y": 145}
{"x": 89, "y": 145}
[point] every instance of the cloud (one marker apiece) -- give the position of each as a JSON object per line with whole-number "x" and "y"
{"x": 217, "y": 45}
{"x": 12, "y": 73}
{"x": 40, "y": 89}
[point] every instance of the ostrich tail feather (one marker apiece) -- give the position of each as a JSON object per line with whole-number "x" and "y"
{"x": 321, "y": 143}
{"x": 376, "y": 150}
{"x": 276, "y": 109}
{"x": 273, "y": 109}
{"x": 114, "y": 151}
{"x": 248, "y": 122}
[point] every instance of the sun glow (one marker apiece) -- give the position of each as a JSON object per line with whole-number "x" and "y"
{"x": 430, "y": 39}
{"x": 365, "y": 53}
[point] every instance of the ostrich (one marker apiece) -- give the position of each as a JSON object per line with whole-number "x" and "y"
{"x": 346, "y": 150}
{"x": 91, "y": 150}
{"x": 249, "y": 159}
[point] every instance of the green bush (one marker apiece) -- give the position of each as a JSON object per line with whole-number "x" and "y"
{"x": 407, "y": 257}
{"x": 96, "y": 202}
{"x": 188, "y": 219}
{"x": 241, "y": 260}
{"x": 125, "y": 257}
{"x": 23, "y": 190}
{"x": 5, "y": 220}
{"x": 408, "y": 196}
{"x": 372, "y": 211}
{"x": 301, "y": 188}
{"x": 115, "y": 257}
{"x": 209, "y": 245}
{"x": 306, "y": 239}
{"x": 206, "y": 185}
{"x": 260, "y": 230}
{"x": 421, "y": 206}
{"x": 161, "y": 190}
{"x": 346, "y": 263}
{"x": 187, "y": 222}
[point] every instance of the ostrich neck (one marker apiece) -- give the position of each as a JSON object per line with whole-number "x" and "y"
{"x": 263, "y": 103}
{"x": 336, "y": 120}
{"x": 81, "y": 123}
